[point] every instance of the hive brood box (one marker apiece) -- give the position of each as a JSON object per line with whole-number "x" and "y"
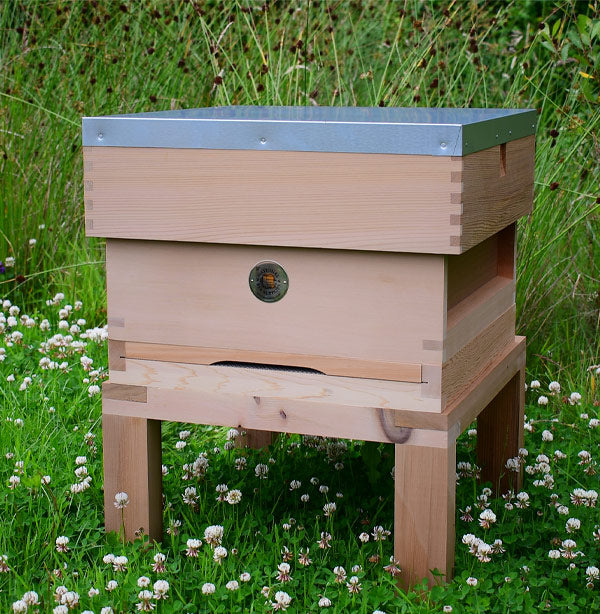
{"x": 344, "y": 272}
{"x": 395, "y": 228}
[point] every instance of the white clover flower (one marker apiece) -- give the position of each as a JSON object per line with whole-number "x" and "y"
{"x": 305, "y": 498}
{"x": 107, "y": 610}
{"x": 61, "y": 609}
{"x": 554, "y": 554}
{"x": 208, "y": 588}
{"x": 143, "y": 582}
{"x": 31, "y": 598}
{"x": 573, "y": 524}
{"x": 261, "y": 470}
{"x": 213, "y": 535}
{"x": 245, "y": 577}
{"x": 145, "y": 598}
{"x": 70, "y": 599}
{"x": 324, "y": 602}
{"x": 111, "y": 585}
{"x": 232, "y": 434}
{"x": 364, "y": 537}
{"x": 447, "y": 609}
{"x": 19, "y": 607}
{"x": 295, "y": 484}
{"x": 563, "y": 510}
{"x": 487, "y": 518}
{"x": 14, "y": 481}
{"x": 219, "y": 554}
{"x": 547, "y": 436}
{"x": 120, "y": 563}
{"x": 472, "y": 432}
{"x": 323, "y": 489}
{"x": 559, "y": 455}
{"x": 594, "y": 423}
{"x": 522, "y": 500}
{"x": 161, "y": 588}
{"x": 574, "y": 398}
{"x": 592, "y": 572}
{"x": 62, "y": 543}
{"x": 232, "y": 585}
{"x": 180, "y": 445}
{"x": 379, "y": 533}
{"x": 93, "y": 592}
{"x": 554, "y": 387}
{"x": 328, "y": 509}
{"x": 353, "y": 585}
{"x": 93, "y": 389}
{"x": 472, "y": 581}
{"x": 543, "y": 400}
{"x": 282, "y": 601}
{"x": 233, "y": 497}
{"x": 121, "y": 500}
{"x": 193, "y": 545}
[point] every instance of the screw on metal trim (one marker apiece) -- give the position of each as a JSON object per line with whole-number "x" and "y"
{"x": 100, "y": 136}
{"x": 443, "y": 145}
{"x": 263, "y": 140}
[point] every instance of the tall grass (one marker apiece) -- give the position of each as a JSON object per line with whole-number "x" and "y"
{"x": 62, "y": 60}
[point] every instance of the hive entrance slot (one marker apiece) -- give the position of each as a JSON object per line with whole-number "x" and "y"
{"x": 264, "y": 366}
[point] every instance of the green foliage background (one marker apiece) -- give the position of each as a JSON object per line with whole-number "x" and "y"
{"x": 63, "y": 60}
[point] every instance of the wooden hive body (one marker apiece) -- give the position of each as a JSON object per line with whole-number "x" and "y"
{"x": 400, "y": 266}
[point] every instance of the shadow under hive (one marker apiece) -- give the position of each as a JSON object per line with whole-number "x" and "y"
{"x": 344, "y": 272}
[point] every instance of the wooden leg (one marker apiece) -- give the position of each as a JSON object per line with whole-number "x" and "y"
{"x": 133, "y": 464}
{"x": 500, "y": 435}
{"x": 425, "y": 486}
{"x": 255, "y": 439}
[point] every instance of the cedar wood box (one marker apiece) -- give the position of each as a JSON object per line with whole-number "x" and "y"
{"x": 395, "y": 228}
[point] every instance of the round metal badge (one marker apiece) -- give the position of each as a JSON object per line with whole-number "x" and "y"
{"x": 268, "y": 281}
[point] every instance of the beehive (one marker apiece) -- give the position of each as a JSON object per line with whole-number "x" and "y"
{"x": 370, "y": 249}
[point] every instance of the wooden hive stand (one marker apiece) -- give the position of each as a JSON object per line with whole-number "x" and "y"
{"x": 210, "y": 216}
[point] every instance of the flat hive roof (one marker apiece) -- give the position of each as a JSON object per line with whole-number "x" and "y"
{"x": 385, "y": 130}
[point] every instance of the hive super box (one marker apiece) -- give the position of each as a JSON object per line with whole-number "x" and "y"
{"x": 345, "y": 272}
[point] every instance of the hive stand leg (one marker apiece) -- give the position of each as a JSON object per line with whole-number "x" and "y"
{"x": 133, "y": 464}
{"x": 500, "y": 435}
{"x": 255, "y": 439}
{"x": 425, "y": 486}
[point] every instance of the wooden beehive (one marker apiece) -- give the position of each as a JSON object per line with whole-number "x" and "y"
{"x": 395, "y": 227}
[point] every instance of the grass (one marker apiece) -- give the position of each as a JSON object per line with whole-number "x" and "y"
{"x": 61, "y": 60}
{"x": 51, "y": 485}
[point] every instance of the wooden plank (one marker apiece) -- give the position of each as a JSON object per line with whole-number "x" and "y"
{"x": 306, "y": 199}
{"x": 278, "y": 385}
{"x": 500, "y": 435}
{"x": 473, "y": 314}
{"x": 268, "y": 414}
{"x": 507, "y": 251}
{"x": 329, "y": 365}
{"x": 238, "y": 392}
{"x": 116, "y": 355}
{"x": 466, "y": 407}
{"x": 471, "y": 270}
{"x": 424, "y": 504}
{"x": 368, "y": 306}
{"x": 251, "y": 438}
{"x": 464, "y": 367}
{"x": 490, "y": 200}
{"x": 132, "y": 464}
{"x": 125, "y": 392}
